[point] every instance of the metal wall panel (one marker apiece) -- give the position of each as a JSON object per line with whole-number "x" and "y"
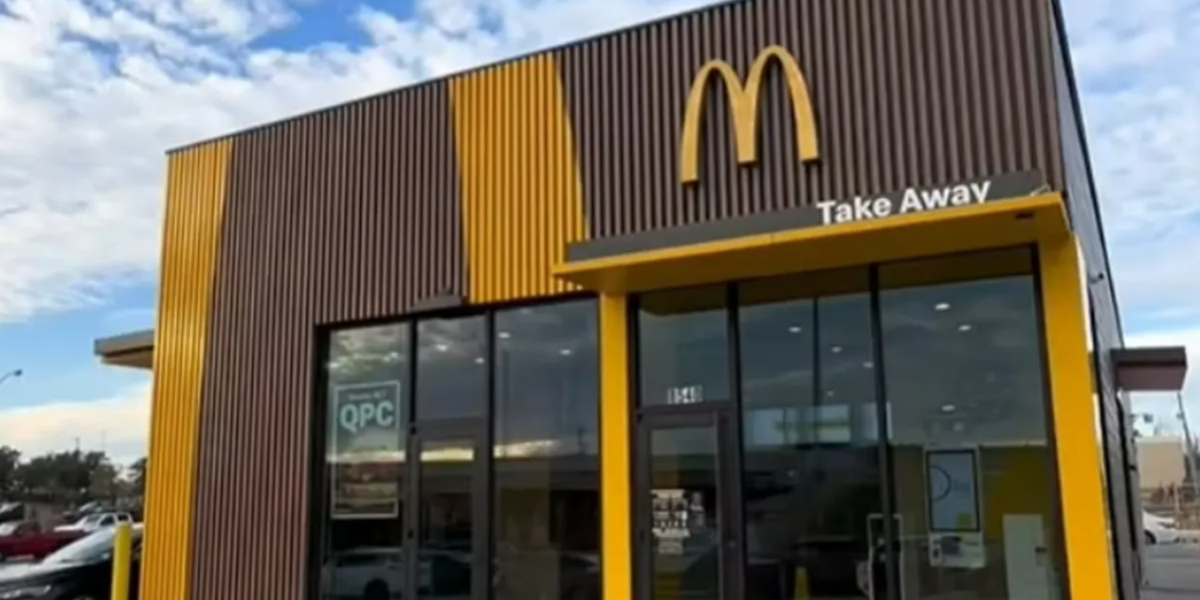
{"x": 348, "y": 214}
{"x": 917, "y": 92}
{"x": 1123, "y": 497}
{"x": 196, "y": 184}
{"x": 523, "y": 200}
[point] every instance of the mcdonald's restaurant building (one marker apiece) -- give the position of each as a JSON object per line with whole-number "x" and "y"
{"x": 774, "y": 300}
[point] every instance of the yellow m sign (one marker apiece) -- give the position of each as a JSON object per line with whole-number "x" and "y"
{"x": 743, "y": 102}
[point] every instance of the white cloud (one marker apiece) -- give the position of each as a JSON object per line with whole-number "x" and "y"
{"x": 93, "y": 91}
{"x": 118, "y": 424}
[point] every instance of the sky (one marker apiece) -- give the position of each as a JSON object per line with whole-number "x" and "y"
{"x": 92, "y": 92}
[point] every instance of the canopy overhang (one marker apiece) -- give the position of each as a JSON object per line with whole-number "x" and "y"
{"x": 803, "y": 240}
{"x": 1150, "y": 369}
{"x": 133, "y": 350}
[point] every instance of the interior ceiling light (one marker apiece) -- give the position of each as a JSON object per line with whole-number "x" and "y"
{"x": 836, "y": 349}
{"x": 868, "y": 365}
{"x": 442, "y": 347}
{"x": 948, "y": 408}
{"x": 941, "y": 306}
{"x": 504, "y": 335}
{"x": 795, "y": 329}
{"x": 479, "y": 360}
{"x": 964, "y": 327}
{"x": 565, "y": 352}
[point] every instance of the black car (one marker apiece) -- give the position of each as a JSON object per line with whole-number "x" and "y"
{"x": 81, "y": 570}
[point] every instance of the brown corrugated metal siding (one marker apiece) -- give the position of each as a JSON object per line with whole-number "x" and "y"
{"x": 351, "y": 214}
{"x": 357, "y": 212}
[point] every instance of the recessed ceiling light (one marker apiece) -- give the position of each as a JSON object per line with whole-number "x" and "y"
{"x": 868, "y": 365}
{"x": 941, "y": 306}
{"x": 948, "y": 408}
{"x": 964, "y": 327}
{"x": 565, "y": 352}
{"x": 795, "y": 329}
{"x": 442, "y": 347}
{"x": 504, "y": 335}
{"x": 479, "y": 360}
{"x": 836, "y": 349}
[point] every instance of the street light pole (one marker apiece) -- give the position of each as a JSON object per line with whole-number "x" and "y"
{"x": 13, "y": 374}
{"x": 1189, "y": 450}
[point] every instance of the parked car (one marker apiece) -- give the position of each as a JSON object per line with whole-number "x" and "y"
{"x": 96, "y": 521}
{"x": 1159, "y": 530}
{"x": 77, "y": 571}
{"x": 12, "y": 511}
{"x": 26, "y": 539}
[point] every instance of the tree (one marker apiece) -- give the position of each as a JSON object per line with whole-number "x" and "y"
{"x": 137, "y": 476}
{"x": 10, "y": 461}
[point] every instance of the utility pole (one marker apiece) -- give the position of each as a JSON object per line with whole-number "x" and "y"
{"x": 1189, "y": 449}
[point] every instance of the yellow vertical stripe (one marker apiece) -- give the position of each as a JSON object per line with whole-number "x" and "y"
{"x": 1079, "y": 455}
{"x": 196, "y": 181}
{"x": 615, "y": 466}
{"x": 522, "y": 194}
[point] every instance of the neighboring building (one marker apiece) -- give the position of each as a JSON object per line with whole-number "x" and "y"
{"x": 1161, "y": 463}
{"x": 682, "y": 310}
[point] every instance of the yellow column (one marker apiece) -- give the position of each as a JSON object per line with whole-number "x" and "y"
{"x": 1079, "y": 456}
{"x": 122, "y": 561}
{"x": 617, "y": 548}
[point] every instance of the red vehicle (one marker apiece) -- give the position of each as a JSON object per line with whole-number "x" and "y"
{"x": 25, "y": 539}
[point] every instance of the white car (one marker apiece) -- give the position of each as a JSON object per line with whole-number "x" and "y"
{"x": 96, "y": 522}
{"x": 1159, "y": 530}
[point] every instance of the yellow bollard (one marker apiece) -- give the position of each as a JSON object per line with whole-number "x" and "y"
{"x": 122, "y": 558}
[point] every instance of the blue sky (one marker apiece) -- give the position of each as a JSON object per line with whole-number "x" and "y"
{"x": 93, "y": 91}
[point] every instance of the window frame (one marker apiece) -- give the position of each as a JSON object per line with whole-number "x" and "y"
{"x": 319, "y": 480}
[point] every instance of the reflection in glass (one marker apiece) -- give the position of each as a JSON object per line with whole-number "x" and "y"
{"x": 685, "y": 552}
{"x": 811, "y": 476}
{"x": 683, "y": 346}
{"x": 451, "y": 368}
{"x": 546, "y": 509}
{"x": 365, "y": 459}
{"x": 444, "y": 547}
{"x": 962, "y": 362}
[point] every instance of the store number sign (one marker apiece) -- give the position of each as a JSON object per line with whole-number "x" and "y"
{"x": 688, "y": 394}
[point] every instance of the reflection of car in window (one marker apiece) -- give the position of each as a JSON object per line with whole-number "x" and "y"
{"x": 81, "y": 569}
{"x": 367, "y": 573}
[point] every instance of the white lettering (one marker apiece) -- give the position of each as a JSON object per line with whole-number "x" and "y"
{"x": 825, "y": 206}
{"x": 980, "y": 191}
{"x": 911, "y": 200}
{"x": 355, "y": 416}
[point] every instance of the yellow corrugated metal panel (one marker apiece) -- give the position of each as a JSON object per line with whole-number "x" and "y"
{"x": 196, "y": 183}
{"x": 1079, "y": 459}
{"x": 522, "y": 196}
{"x": 617, "y": 545}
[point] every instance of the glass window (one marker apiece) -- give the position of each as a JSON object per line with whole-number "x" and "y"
{"x": 811, "y": 475}
{"x": 683, "y": 346}
{"x": 973, "y": 470}
{"x": 451, "y": 368}
{"x": 366, "y": 439}
{"x": 546, "y": 522}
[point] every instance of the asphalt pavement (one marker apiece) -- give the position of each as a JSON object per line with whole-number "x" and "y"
{"x": 1172, "y": 572}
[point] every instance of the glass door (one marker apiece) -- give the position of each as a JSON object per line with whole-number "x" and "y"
{"x": 688, "y": 547}
{"x": 447, "y": 549}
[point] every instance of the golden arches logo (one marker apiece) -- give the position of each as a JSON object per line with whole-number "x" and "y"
{"x": 743, "y": 103}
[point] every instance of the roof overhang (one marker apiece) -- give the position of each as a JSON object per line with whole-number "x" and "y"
{"x": 1150, "y": 369}
{"x": 1018, "y": 211}
{"x": 134, "y": 350}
